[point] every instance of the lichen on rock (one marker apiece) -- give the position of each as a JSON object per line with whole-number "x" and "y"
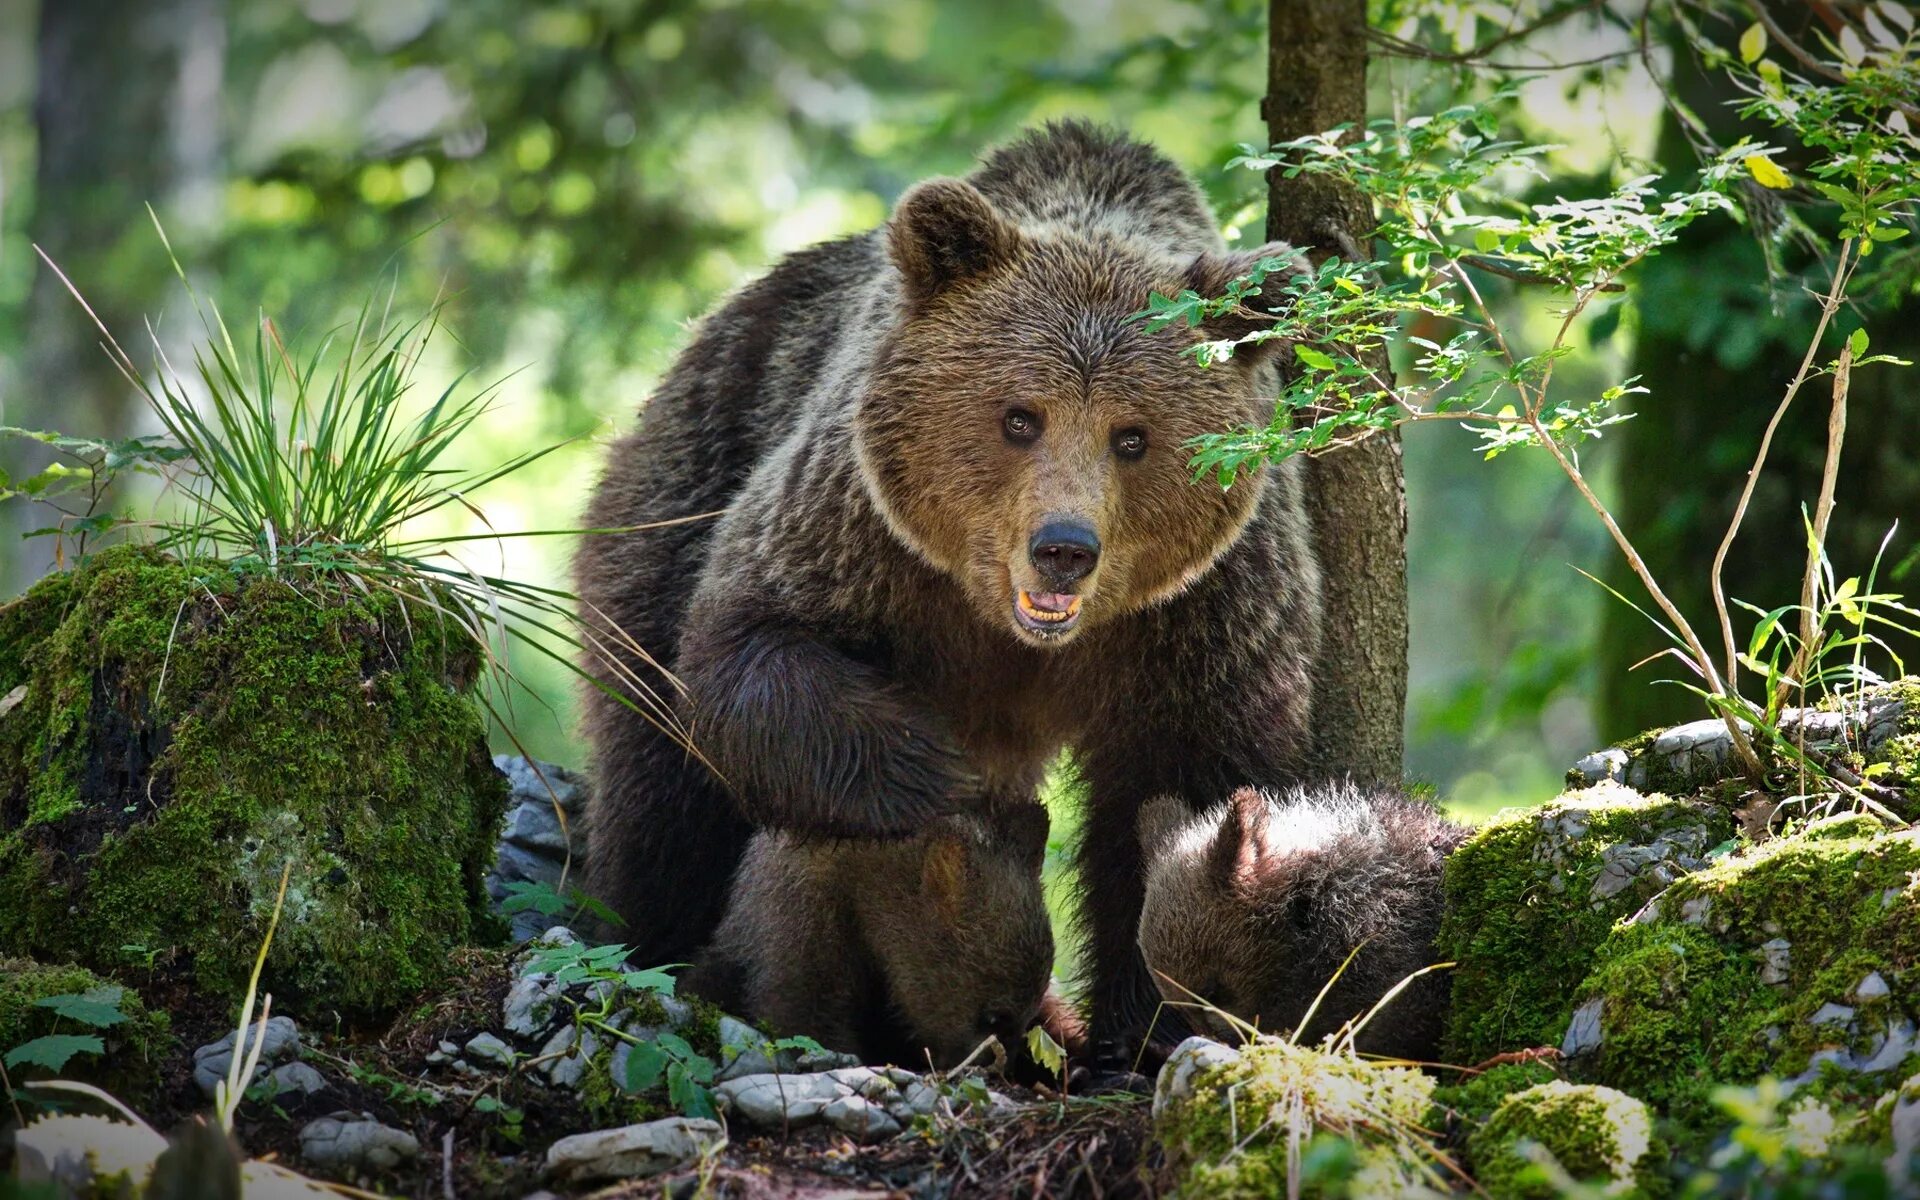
{"x": 1532, "y": 894}
{"x": 1231, "y": 1120}
{"x": 188, "y": 730}
{"x": 1594, "y": 1135}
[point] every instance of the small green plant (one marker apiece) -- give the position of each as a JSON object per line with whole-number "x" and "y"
{"x": 542, "y": 897}
{"x": 1777, "y": 1150}
{"x": 98, "y": 1008}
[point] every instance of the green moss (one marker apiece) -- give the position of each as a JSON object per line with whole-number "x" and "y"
{"x": 1522, "y": 918}
{"x": 1686, "y": 1005}
{"x": 1362, "y": 1125}
{"x": 129, "y": 1067}
{"x": 1474, "y": 1098}
{"x": 187, "y": 733}
{"x": 1595, "y": 1134}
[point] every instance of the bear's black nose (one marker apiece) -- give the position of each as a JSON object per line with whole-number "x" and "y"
{"x": 1064, "y": 552}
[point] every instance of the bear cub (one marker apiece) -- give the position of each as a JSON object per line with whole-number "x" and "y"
{"x": 892, "y": 950}
{"x": 1255, "y": 905}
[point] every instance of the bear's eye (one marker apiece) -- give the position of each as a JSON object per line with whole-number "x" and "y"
{"x": 1021, "y": 426}
{"x": 1130, "y": 443}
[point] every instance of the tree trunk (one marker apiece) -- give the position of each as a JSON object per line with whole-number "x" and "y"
{"x": 127, "y": 113}
{"x": 1356, "y": 497}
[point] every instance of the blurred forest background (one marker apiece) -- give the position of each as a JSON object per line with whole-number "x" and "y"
{"x": 577, "y": 180}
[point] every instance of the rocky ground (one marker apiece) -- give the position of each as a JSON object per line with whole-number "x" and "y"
{"x": 1712, "y": 986}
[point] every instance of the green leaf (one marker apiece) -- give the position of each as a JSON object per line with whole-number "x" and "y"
{"x": 1766, "y": 172}
{"x": 1857, "y": 342}
{"x": 654, "y": 979}
{"x": 1319, "y": 360}
{"x": 687, "y": 1095}
{"x": 646, "y": 1062}
{"x": 1051, "y": 1055}
{"x": 53, "y": 1051}
{"x": 1753, "y": 43}
{"x": 99, "y": 1007}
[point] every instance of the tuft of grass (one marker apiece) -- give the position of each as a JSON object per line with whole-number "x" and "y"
{"x": 316, "y": 463}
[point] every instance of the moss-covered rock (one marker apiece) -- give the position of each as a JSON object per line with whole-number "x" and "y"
{"x": 1532, "y": 894}
{"x": 186, "y": 732}
{"x": 128, "y": 1063}
{"x": 1595, "y": 1135}
{"x": 1230, "y": 1120}
{"x": 1798, "y": 958}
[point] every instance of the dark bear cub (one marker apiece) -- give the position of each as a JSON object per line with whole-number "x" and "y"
{"x": 890, "y": 950}
{"x": 1255, "y": 905}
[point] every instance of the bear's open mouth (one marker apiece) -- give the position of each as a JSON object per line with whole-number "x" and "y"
{"x": 1046, "y": 613}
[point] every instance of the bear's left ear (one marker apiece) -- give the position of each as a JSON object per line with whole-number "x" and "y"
{"x": 944, "y": 231}
{"x": 1211, "y": 274}
{"x": 1242, "y": 840}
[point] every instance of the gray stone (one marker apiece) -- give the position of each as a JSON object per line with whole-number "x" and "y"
{"x": 1777, "y": 960}
{"x": 859, "y": 1117}
{"x": 1610, "y": 764}
{"x": 1901, "y": 1164}
{"x": 1873, "y": 987}
{"x": 1901, "y": 1039}
{"x": 1188, "y": 1060}
{"x": 296, "y": 1079}
{"x": 489, "y": 1050}
{"x": 534, "y": 826}
{"x": 777, "y": 1101}
{"x": 1584, "y": 1035}
{"x": 212, "y": 1061}
{"x": 531, "y": 1005}
{"x": 1831, "y": 1014}
{"x": 632, "y": 1151}
{"x": 350, "y": 1144}
{"x": 524, "y": 783}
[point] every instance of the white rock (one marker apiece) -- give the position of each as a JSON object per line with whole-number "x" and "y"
{"x": 1187, "y": 1061}
{"x": 776, "y": 1101}
{"x": 632, "y": 1151}
{"x": 1906, "y": 1133}
{"x": 859, "y": 1117}
{"x": 1873, "y": 987}
{"x": 296, "y": 1079}
{"x": 1778, "y": 955}
{"x": 1901, "y": 1040}
{"x": 1831, "y": 1014}
{"x": 531, "y": 1005}
{"x": 487, "y": 1049}
{"x": 1584, "y": 1035}
{"x": 346, "y": 1143}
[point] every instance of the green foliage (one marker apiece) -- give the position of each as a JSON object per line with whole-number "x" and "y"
{"x": 67, "y": 1020}
{"x": 539, "y": 896}
{"x": 1557, "y": 1132}
{"x": 1781, "y": 1151}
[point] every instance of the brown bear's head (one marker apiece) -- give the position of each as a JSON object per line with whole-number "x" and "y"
{"x": 966, "y": 945}
{"x": 1027, "y": 436}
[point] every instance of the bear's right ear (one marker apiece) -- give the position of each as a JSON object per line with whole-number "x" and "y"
{"x": 944, "y": 231}
{"x": 1161, "y": 820}
{"x": 1211, "y": 275}
{"x": 1242, "y": 839}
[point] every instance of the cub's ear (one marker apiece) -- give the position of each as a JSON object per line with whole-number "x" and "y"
{"x": 944, "y": 231}
{"x": 1211, "y": 275}
{"x": 1242, "y": 840}
{"x": 1161, "y": 818}
{"x": 1023, "y": 828}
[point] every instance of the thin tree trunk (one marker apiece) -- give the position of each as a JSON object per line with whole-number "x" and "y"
{"x": 127, "y": 113}
{"x": 1317, "y": 78}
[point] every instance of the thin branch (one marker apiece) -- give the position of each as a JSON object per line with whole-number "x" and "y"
{"x": 1477, "y": 55}
{"x": 1715, "y": 582}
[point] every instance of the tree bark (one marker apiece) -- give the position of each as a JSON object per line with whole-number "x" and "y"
{"x": 127, "y": 113}
{"x": 1356, "y": 497}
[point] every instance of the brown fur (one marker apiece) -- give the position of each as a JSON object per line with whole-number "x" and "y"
{"x": 1256, "y": 905}
{"x": 846, "y": 631}
{"x": 892, "y": 950}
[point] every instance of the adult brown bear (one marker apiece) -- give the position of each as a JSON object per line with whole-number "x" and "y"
{"x": 960, "y": 533}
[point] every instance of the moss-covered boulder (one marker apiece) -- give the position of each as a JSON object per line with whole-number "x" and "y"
{"x": 177, "y": 734}
{"x": 1532, "y": 894}
{"x": 1230, "y": 1122}
{"x": 132, "y": 1038}
{"x": 1798, "y": 959}
{"x": 1593, "y": 1135}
